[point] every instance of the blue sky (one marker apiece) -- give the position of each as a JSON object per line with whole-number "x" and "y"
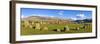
{"x": 65, "y": 14}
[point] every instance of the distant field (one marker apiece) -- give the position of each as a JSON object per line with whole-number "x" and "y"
{"x": 30, "y": 31}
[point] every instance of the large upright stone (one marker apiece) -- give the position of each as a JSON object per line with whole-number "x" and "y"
{"x": 78, "y": 28}
{"x": 58, "y": 30}
{"x": 66, "y": 28}
{"x": 38, "y": 26}
{"x": 26, "y": 23}
{"x": 33, "y": 23}
{"x": 45, "y": 28}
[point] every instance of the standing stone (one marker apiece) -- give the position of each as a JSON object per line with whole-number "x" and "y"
{"x": 41, "y": 22}
{"x": 78, "y": 28}
{"x": 37, "y": 26}
{"x": 26, "y": 23}
{"x": 44, "y": 22}
{"x": 45, "y": 28}
{"x": 30, "y": 26}
{"x": 33, "y": 23}
{"x": 66, "y": 28}
{"x": 58, "y": 30}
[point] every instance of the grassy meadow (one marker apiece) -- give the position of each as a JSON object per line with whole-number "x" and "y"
{"x": 51, "y": 27}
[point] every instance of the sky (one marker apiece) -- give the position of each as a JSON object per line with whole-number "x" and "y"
{"x": 59, "y": 13}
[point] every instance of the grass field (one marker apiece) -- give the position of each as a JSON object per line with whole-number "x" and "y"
{"x": 30, "y": 31}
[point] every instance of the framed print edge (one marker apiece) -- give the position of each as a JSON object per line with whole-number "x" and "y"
{"x": 13, "y": 21}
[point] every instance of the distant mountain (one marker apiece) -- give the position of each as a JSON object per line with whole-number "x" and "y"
{"x": 84, "y": 20}
{"x": 34, "y": 18}
{"x": 49, "y": 20}
{"x": 39, "y": 18}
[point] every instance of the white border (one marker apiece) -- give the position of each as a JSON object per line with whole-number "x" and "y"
{"x": 52, "y": 36}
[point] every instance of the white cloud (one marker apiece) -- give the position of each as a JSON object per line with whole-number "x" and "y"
{"x": 22, "y": 16}
{"x": 61, "y": 12}
{"x": 52, "y": 16}
{"x": 80, "y": 16}
{"x": 42, "y": 15}
{"x": 73, "y": 18}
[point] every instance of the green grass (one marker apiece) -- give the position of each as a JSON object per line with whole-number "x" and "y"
{"x": 29, "y": 31}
